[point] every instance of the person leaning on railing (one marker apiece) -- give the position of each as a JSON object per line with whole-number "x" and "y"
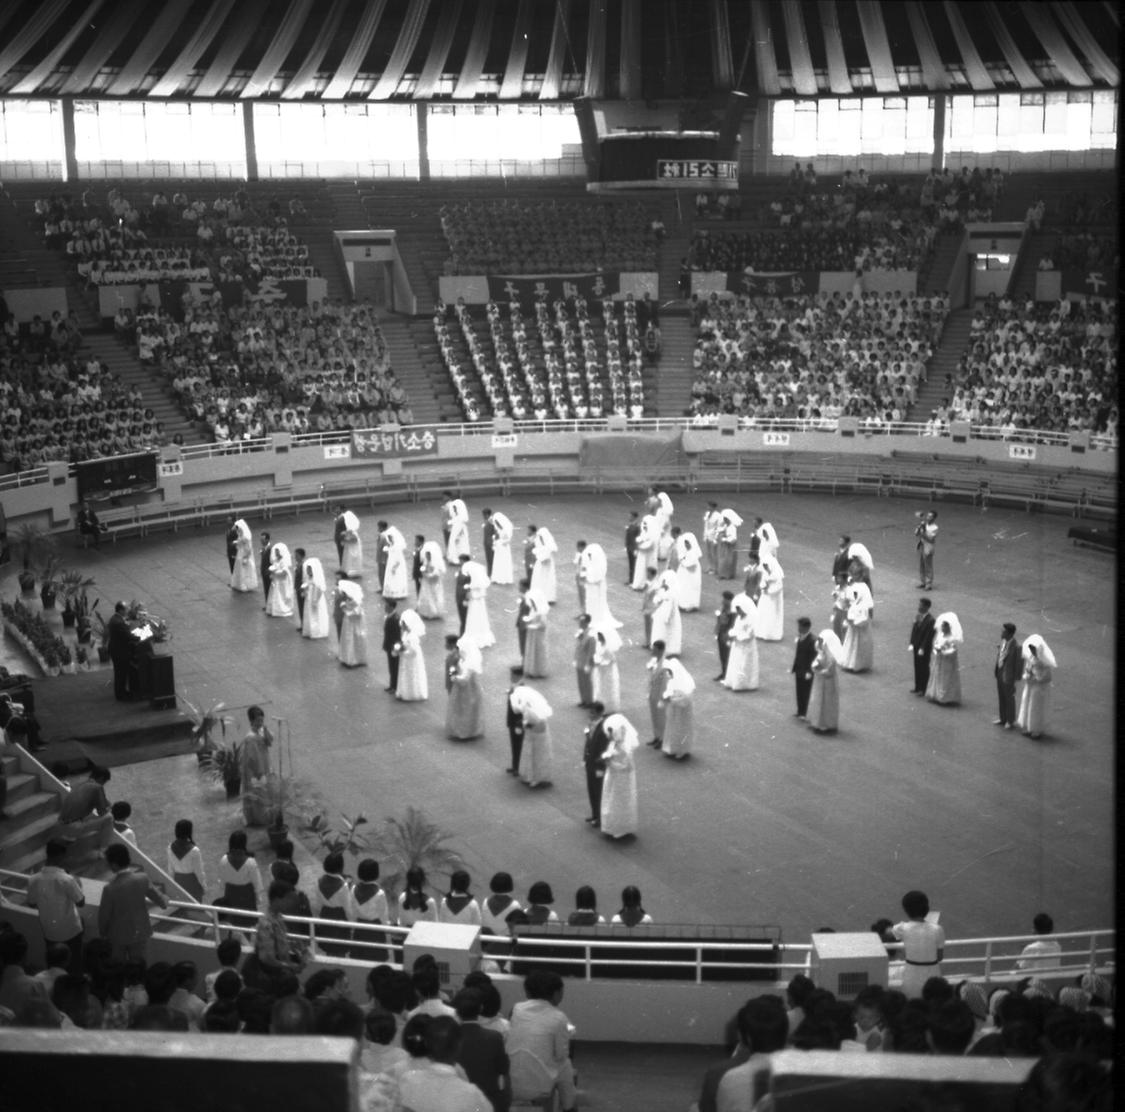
{"x": 275, "y": 953}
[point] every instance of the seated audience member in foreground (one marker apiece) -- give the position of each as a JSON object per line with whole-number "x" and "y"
{"x": 482, "y": 1055}
{"x": 762, "y": 1029}
{"x": 439, "y": 1085}
{"x": 542, "y": 1029}
{"x": 1044, "y": 952}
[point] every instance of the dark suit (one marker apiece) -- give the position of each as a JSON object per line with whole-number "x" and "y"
{"x": 528, "y": 556}
{"x": 596, "y": 745}
{"x": 802, "y": 670}
{"x": 232, "y": 547}
{"x": 522, "y": 611}
{"x": 392, "y": 635}
{"x": 461, "y": 597}
{"x": 416, "y": 572}
{"x": 632, "y": 531}
{"x": 338, "y": 531}
{"x": 485, "y": 1061}
{"x": 921, "y": 646}
{"x": 121, "y": 645}
{"x": 1007, "y": 671}
{"x": 724, "y": 621}
{"x": 515, "y": 730}
{"x": 840, "y": 564}
{"x": 298, "y": 583}
{"x": 488, "y": 531}
{"x": 264, "y": 562}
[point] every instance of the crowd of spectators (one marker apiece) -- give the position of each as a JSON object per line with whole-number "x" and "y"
{"x": 516, "y": 236}
{"x": 116, "y": 242}
{"x": 247, "y": 370}
{"x": 56, "y": 406}
{"x": 1040, "y": 366}
{"x": 813, "y": 358}
{"x": 554, "y": 362}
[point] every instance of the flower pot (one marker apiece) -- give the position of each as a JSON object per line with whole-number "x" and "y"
{"x": 47, "y": 597}
{"x": 277, "y": 835}
{"x": 103, "y": 654}
{"x": 233, "y": 787}
{"x": 27, "y": 583}
{"x": 69, "y": 617}
{"x": 85, "y": 634}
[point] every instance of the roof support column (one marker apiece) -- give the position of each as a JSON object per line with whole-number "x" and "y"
{"x": 70, "y": 159}
{"x": 423, "y": 111}
{"x": 937, "y": 160}
{"x": 250, "y": 142}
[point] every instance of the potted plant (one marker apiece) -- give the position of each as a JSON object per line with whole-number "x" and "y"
{"x": 279, "y": 796}
{"x": 224, "y": 764}
{"x": 414, "y": 841}
{"x": 101, "y": 628}
{"x": 74, "y": 588}
{"x": 32, "y": 543}
{"x": 49, "y": 575}
{"x": 204, "y": 722}
{"x": 347, "y": 838}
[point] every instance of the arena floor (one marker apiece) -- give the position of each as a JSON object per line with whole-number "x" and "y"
{"x": 767, "y": 823}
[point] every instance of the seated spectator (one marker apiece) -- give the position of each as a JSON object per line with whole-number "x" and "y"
{"x": 292, "y": 1015}
{"x": 1044, "y": 952}
{"x": 427, "y": 985}
{"x": 482, "y": 1055}
{"x": 229, "y": 954}
{"x": 631, "y": 914}
{"x": 585, "y": 913}
{"x": 184, "y": 999}
{"x": 762, "y": 1029}
{"x": 380, "y": 1053}
{"x": 17, "y": 988}
{"x": 540, "y": 1030}
{"x": 440, "y": 1085}
{"x": 951, "y": 1028}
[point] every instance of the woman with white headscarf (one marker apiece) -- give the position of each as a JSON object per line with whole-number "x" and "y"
{"x": 646, "y": 550}
{"x": 476, "y": 611}
{"x": 771, "y": 602}
{"x": 679, "y": 700}
{"x": 412, "y": 686}
{"x": 353, "y": 546}
{"x": 1035, "y": 701}
{"x": 459, "y": 540}
{"x": 742, "y": 664}
{"x": 689, "y": 571}
{"x": 663, "y": 513}
{"x": 543, "y": 575}
{"x": 279, "y": 604}
{"x": 619, "y": 788}
{"x": 463, "y": 715}
{"x": 606, "y": 676}
{"x": 502, "y": 549}
{"x": 314, "y": 620}
{"x": 396, "y": 577}
{"x": 535, "y": 757}
{"x": 431, "y": 598}
{"x": 859, "y": 645}
{"x": 667, "y": 626}
{"x": 597, "y": 601}
{"x": 535, "y": 640}
{"x": 944, "y": 687}
{"x": 824, "y": 699}
{"x": 244, "y": 576}
{"x": 353, "y": 626}
{"x": 729, "y": 523}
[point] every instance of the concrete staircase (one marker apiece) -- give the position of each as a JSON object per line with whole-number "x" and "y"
{"x": 672, "y": 386}
{"x": 441, "y": 385}
{"x": 938, "y": 273}
{"x": 121, "y": 361}
{"x": 31, "y": 814}
{"x": 954, "y": 340}
{"x": 413, "y": 371}
{"x": 322, "y": 255}
{"x": 1022, "y": 284}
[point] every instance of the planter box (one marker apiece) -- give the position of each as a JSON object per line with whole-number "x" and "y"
{"x": 17, "y": 636}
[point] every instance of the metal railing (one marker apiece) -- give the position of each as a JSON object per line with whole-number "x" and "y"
{"x": 899, "y": 429}
{"x": 984, "y": 959}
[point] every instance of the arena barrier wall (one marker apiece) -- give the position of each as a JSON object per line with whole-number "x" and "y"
{"x": 791, "y": 283}
{"x": 283, "y": 473}
{"x": 476, "y": 289}
{"x": 26, "y": 304}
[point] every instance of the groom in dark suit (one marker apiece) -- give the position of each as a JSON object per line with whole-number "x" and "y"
{"x": 596, "y": 744}
{"x": 921, "y": 645}
{"x": 392, "y": 635}
{"x": 1007, "y": 671}
{"x": 802, "y": 664}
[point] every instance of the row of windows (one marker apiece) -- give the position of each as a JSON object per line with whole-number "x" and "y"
{"x": 1073, "y": 120}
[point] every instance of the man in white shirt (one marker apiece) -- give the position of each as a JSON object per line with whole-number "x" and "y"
{"x": 763, "y": 1027}
{"x": 1043, "y": 953}
{"x": 438, "y": 1086}
{"x": 58, "y": 896}
{"x": 541, "y": 1029}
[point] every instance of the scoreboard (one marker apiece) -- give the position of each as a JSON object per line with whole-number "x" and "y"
{"x": 666, "y": 159}
{"x": 114, "y": 475}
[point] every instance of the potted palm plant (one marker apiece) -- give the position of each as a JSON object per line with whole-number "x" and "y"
{"x": 33, "y": 544}
{"x": 204, "y": 723}
{"x": 101, "y": 628}
{"x": 50, "y": 573}
{"x": 411, "y": 841}
{"x": 74, "y": 588}
{"x": 223, "y": 763}
{"x": 279, "y": 796}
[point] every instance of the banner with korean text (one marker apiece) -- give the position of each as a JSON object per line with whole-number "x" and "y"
{"x": 393, "y": 444}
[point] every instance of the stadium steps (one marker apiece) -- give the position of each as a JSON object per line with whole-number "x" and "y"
{"x": 322, "y": 255}
{"x": 441, "y": 385}
{"x": 410, "y": 369}
{"x": 121, "y": 361}
{"x": 1021, "y": 191}
{"x": 350, "y": 213}
{"x": 954, "y": 340}
{"x": 938, "y": 273}
{"x": 672, "y": 386}
{"x": 1022, "y": 284}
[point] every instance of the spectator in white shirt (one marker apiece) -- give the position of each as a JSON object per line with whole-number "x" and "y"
{"x": 543, "y": 1030}
{"x": 58, "y": 896}
{"x": 1044, "y": 952}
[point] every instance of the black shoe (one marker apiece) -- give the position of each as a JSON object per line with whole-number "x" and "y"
{"x": 592, "y": 821}
{"x": 511, "y": 772}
